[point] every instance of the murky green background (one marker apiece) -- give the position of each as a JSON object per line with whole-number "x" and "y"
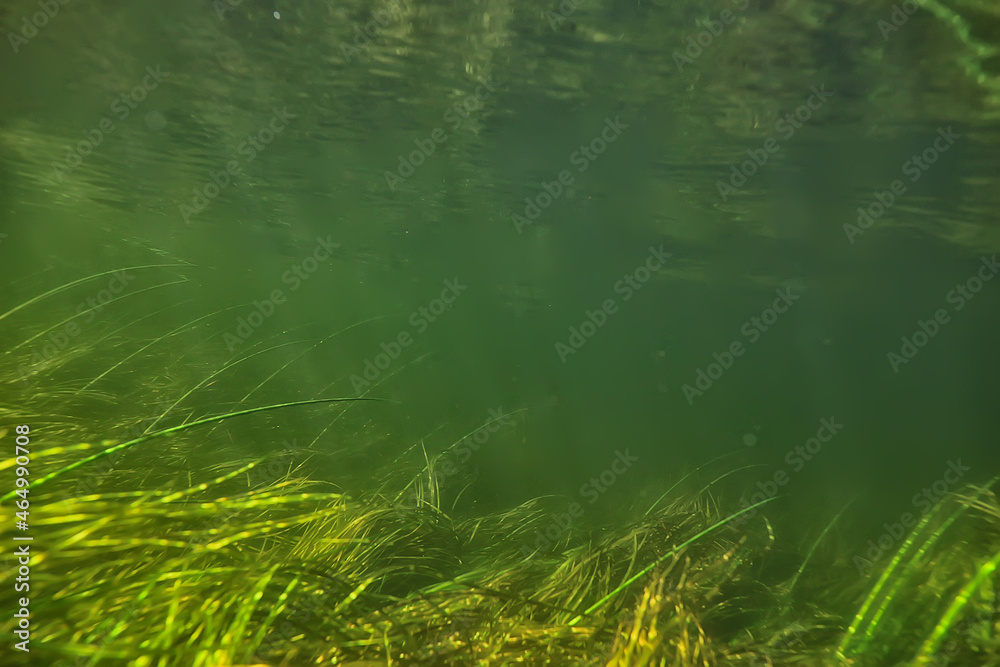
{"x": 89, "y": 184}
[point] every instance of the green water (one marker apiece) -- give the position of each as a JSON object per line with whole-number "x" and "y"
{"x": 265, "y": 150}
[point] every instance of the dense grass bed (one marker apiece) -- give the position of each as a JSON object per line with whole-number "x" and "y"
{"x": 162, "y": 550}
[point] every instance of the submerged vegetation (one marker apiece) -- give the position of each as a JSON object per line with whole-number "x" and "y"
{"x": 153, "y": 549}
{"x": 204, "y": 494}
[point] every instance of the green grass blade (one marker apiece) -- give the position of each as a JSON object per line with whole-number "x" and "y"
{"x": 933, "y": 642}
{"x": 177, "y": 429}
{"x": 718, "y": 524}
{"x": 80, "y": 281}
{"x": 867, "y": 630}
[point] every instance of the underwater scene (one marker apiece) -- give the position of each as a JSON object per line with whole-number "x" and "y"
{"x": 500, "y": 332}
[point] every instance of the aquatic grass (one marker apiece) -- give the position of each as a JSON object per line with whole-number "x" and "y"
{"x": 425, "y": 486}
{"x": 321, "y": 577}
{"x": 75, "y": 315}
{"x": 165, "y": 567}
{"x": 80, "y": 281}
{"x": 662, "y": 624}
{"x": 385, "y": 376}
{"x": 155, "y": 341}
{"x": 170, "y": 431}
{"x": 168, "y": 544}
{"x": 910, "y": 560}
{"x": 309, "y": 349}
{"x": 671, "y": 553}
{"x": 962, "y": 600}
{"x": 790, "y": 586}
